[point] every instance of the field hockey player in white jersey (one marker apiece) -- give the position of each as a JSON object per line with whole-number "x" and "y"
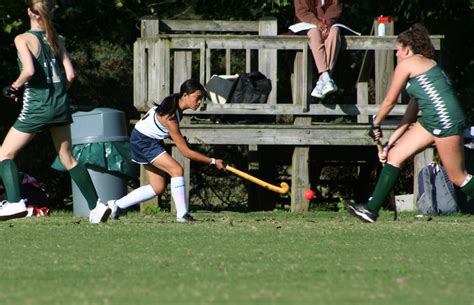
{"x": 148, "y": 148}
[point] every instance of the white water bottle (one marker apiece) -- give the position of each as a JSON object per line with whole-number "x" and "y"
{"x": 381, "y": 20}
{"x": 381, "y": 29}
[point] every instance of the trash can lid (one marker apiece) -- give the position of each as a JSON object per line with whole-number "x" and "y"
{"x": 98, "y": 125}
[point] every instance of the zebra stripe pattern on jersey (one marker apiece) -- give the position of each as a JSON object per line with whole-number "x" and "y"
{"x": 26, "y": 104}
{"x": 438, "y": 101}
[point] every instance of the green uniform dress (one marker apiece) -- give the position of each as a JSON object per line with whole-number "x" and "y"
{"x": 45, "y": 102}
{"x": 441, "y": 111}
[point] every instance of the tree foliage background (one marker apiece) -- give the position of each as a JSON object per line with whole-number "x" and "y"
{"x": 100, "y": 36}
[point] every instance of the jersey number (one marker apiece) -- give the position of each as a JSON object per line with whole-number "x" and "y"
{"x": 53, "y": 76}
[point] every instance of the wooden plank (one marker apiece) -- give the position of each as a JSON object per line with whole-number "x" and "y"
{"x": 384, "y": 66}
{"x": 280, "y": 42}
{"x": 168, "y": 25}
{"x": 248, "y": 60}
{"x": 233, "y": 134}
{"x": 204, "y": 63}
{"x": 300, "y": 170}
{"x": 267, "y": 59}
{"x": 158, "y": 71}
{"x": 287, "y": 108}
{"x": 421, "y": 160}
{"x": 306, "y": 79}
{"x": 140, "y": 75}
{"x": 362, "y": 100}
{"x": 186, "y": 164}
{"x": 150, "y": 27}
{"x": 182, "y": 68}
{"x": 299, "y": 179}
{"x": 227, "y": 61}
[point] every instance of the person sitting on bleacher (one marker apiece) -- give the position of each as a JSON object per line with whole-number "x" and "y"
{"x": 324, "y": 39}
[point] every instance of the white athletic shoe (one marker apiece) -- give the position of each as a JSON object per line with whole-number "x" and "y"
{"x": 113, "y": 208}
{"x": 9, "y": 210}
{"x": 100, "y": 213}
{"x": 318, "y": 90}
{"x": 329, "y": 87}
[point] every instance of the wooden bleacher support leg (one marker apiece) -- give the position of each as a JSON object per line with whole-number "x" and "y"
{"x": 300, "y": 172}
{"x": 186, "y": 164}
{"x": 421, "y": 160}
{"x": 299, "y": 179}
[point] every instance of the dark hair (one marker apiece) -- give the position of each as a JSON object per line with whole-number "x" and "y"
{"x": 169, "y": 105}
{"x": 418, "y": 39}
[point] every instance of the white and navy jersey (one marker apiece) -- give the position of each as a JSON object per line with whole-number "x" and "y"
{"x": 151, "y": 127}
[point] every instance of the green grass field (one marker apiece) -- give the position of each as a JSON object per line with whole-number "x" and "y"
{"x": 238, "y": 258}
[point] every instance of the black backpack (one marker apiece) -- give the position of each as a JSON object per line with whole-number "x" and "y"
{"x": 253, "y": 87}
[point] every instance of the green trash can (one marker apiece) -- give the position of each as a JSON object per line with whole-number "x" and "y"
{"x": 100, "y": 142}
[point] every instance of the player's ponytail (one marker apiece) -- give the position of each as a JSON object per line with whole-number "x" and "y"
{"x": 170, "y": 104}
{"x": 43, "y": 11}
{"x": 418, "y": 39}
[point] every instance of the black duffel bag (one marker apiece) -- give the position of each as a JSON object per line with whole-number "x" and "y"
{"x": 253, "y": 87}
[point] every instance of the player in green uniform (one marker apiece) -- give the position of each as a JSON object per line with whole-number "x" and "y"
{"x": 46, "y": 74}
{"x": 442, "y": 120}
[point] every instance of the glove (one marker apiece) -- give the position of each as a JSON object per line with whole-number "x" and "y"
{"x": 11, "y": 92}
{"x": 375, "y": 132}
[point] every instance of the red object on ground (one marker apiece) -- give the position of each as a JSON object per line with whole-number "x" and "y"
{"x": 309, "y": 194}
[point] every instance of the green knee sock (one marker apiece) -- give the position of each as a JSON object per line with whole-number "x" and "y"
{"x": 11, "y": 180}
{"x": 468, "y": 189}
{"x": 83, "y": 180}
{"x": 387, "y": 179}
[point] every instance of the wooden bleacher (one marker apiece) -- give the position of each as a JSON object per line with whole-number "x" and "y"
{"x": 168, "y": 52}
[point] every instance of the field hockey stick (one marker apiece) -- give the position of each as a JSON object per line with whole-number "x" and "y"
{"x": 391, "y": 194}
{"x": 282, "y": 189}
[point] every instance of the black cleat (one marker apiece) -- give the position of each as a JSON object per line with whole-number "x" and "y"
{"x": 360, "y": 211}
{"x": 186, "y": 218}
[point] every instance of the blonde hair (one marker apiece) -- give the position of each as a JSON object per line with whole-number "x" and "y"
{"x": 44, "y": 9}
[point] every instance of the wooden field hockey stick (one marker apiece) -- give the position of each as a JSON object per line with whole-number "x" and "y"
{"x": 391, "y": 194}
{"x": 282, "y": 189}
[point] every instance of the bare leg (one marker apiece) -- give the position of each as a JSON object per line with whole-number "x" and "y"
{"x": 451, "y": 153}
{"x": 156, "y": 178}
{"x": 62, "y": 143}
{"x": 13, "y": 143}
{"x": 413, "y": 141}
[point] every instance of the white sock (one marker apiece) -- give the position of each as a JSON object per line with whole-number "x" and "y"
{"x": 136, "y": 196}
{"x": 178, "y": 191}
{"x": 325, "y": 76}
{"x": 466, "y": 181}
